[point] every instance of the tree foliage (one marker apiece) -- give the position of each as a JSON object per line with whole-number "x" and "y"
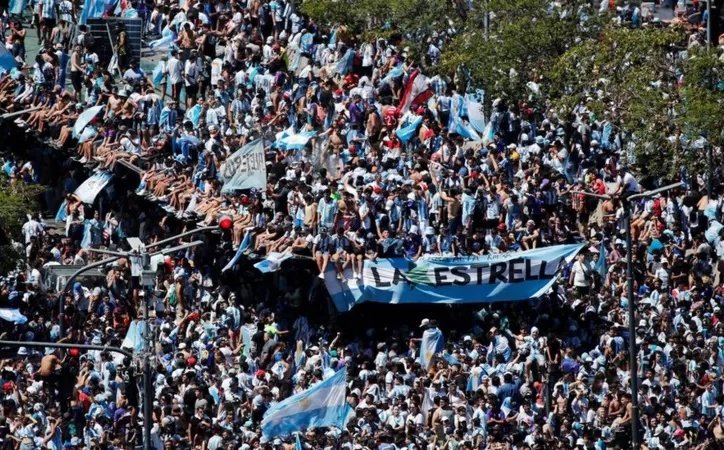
{"x": 628, "y": 73}
{"x": 16, "y": 200}
{"x": 558, "y": 56}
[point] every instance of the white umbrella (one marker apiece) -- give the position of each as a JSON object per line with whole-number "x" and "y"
{"x": 84, "y": 119}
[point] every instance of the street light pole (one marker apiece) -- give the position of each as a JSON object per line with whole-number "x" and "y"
{"x": 103, "y": 348}
{"x": 632, "y": 361}
{"x": 708, "y": 23}
{"x": 68, "y": 284}
{"x": 147, "y": 381}
{"x": 633, "y": 366}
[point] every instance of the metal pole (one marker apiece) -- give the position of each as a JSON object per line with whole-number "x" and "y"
{"x": 178, "y": 236}
{"x": 487, "y": 22}
{"x": 147, "y": 389}
{"x": 18, "y": 113}
{"x": 631, "y": 328}
{"x": 709, "y": 166}
{"x": 71, "y": 279}
{"x": 174, "y": 249}
{"x": 708, "y": 25}
{"x": 64, "y": 345}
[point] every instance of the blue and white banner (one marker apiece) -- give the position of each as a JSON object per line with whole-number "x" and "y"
{"x": 88, "y": 191}
{"x": 245, "y": 169}
{"x": 344, "y": 65}
{"x": 431, "y": 344}
{"x": 395, "y": 72}
{"x": 444, "y": 279}
{"x": 322, "y": 405}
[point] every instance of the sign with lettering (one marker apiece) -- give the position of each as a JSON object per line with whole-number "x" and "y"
{"x": 245, "y": 169}
{"x": 442, "y": 279}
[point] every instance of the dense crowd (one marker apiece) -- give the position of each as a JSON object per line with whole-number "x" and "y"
{"x": 391, "y": 168}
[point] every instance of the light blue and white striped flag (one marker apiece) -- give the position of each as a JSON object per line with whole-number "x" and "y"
{"x": 395, "y": 72}
{"x": 407, "y": 131}
{"x": 13, "y": 315}
{"x": 245, "y": 244}
{"x": 322, "y": 405}
{"x": 432, "y": 343}
{"x": 296, "y": 141}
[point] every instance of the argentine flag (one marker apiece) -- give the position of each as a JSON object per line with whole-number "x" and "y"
{"x": 322, "y": 405}
{"x": 432, "y": 343}
{"x": 280, "y": 136}
{"x": 244, "y": 246}
{"x": 395, "y": 72}
{"x": 296, "y": 141}
{"x": 407, "y": 131}
{"x": 13, "y": 315}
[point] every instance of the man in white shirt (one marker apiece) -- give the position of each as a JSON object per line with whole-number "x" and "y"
{"x": 580, "y": 275}
{"x": 627, "y": 184}
{"x": 191, "y": 78}
{"x": 31, "y": 228}
{"x": 173, "y": 73}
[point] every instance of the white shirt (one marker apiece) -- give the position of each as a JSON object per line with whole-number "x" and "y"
{"x": 32, "y": 228}
{"x": 173, "y": 68}
{"x": 191, "y": 70}
{"x": 629, "y": 183}
{"x": 66, "y": 10}
{"x": 579, "y": 275}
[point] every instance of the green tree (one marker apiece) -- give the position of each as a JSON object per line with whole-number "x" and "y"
{"x": 524, "y": 39}
{"x": 701, "y": 110}
{"x": 629, "y": 74}
{"x": 557, "y": 57}
{"x": 16, "y": 200}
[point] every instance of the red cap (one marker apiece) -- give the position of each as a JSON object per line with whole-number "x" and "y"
{"x": 74, "y": 352}
{"x": 194, "y": 316}
{"x": 501, "y": 227}
{"x": 339, "y": 92}
{"x": 260, "y": 373}
{"x": 7, "y": 387}
{"x": 377, "y": 189}
{"x": 191, "y": 361}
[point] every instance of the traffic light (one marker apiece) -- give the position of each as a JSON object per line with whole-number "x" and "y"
{"x": 226, "y": 223}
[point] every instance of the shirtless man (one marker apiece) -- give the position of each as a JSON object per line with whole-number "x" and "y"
{"x": 49, "y": 365}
